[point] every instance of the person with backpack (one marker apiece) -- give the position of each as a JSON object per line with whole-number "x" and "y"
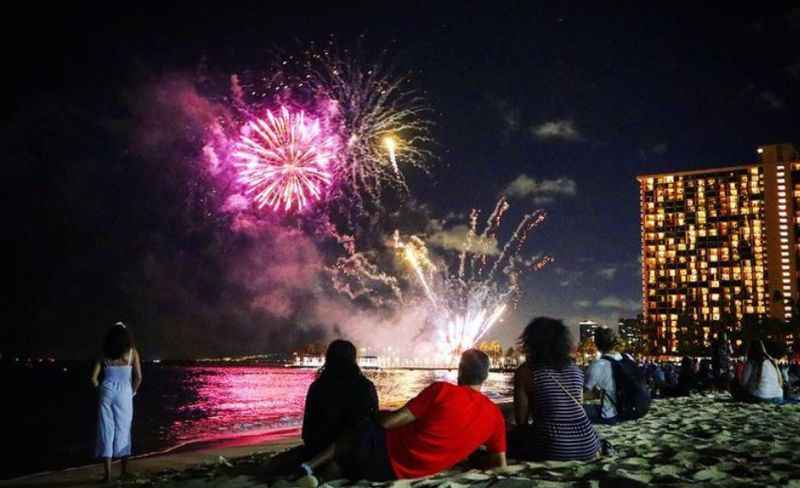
{"x": 617, "y": 381}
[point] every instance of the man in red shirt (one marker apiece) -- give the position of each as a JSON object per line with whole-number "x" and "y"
{"x": 434, "y": 431}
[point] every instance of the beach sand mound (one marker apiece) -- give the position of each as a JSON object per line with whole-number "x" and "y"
{"x": 699, "y": 440}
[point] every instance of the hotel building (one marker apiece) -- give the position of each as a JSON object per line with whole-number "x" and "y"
{"x": 719, "y": 245}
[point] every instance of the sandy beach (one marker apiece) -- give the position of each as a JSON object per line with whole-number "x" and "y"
{"x": 703, "y": 440}
{"x": 174, "y": 461}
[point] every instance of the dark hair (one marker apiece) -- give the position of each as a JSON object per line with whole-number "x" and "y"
{"x": 119, "y": 340}
{"x": 605, "y": 339}
{"x": 756, "y": 353}
{"x": 473, "y": 369}
{"x": 775, "y": 349}
{"x": 547, "y": 343}
{"x": 340, "y": 361}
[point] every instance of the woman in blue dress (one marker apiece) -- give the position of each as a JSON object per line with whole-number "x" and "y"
{"x": 121, "y": 377}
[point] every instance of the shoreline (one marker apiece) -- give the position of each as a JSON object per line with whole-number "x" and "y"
{"x": 202, "y": 448}
{"x": 181, "y": 456}
{"x": 696, "y": 440}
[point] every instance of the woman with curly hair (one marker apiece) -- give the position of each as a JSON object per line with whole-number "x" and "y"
{"x": 548, "y": 398}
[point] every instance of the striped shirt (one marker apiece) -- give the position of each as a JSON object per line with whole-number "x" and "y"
{"x": 561, "y": 430}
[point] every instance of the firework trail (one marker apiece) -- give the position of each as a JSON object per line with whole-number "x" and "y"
{"x": 391, "y": 148}
{"x": 466, "y": 304}
{"x": 359, "y": 278}
{"x": 356, "y": 275}
{"x": 285, "y": 160}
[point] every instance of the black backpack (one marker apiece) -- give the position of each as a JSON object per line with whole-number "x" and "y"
{"x": 633, "y": 397}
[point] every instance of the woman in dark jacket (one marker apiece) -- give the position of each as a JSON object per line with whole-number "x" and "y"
{"x": 338, "y": 400}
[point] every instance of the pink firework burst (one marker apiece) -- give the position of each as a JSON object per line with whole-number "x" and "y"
{"x": 285, "y": 160}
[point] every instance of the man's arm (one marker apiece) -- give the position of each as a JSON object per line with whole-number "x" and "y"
{"x": 395, "y": 419}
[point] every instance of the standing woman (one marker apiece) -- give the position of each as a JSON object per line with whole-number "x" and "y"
{"x": 122, "y": 376}
{"x": 548, "y": 399}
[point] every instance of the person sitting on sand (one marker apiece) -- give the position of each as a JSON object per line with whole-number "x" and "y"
{"x": 437, "y": 429}
{"x": 600, "y": 379}
{"x": 337, "y": 401}
{"x": 548, "y": 389}
{"x": 122, "y": 376}
{"x": 687, "y": 381}
{"x": 761, "y": 379}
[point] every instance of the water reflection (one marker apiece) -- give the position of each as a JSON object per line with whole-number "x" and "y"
{"x": 226, "y": 401}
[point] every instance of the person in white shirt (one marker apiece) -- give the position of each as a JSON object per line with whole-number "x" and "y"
{"x": 761, "y": 377}
{"x": 599, "y": 382}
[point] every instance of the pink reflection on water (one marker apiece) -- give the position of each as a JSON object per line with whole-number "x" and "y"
{"x": 267, "y": 403}
{"x": 242, "y": 400}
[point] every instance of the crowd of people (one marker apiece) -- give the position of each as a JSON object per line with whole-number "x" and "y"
{"x": 448, "y": 424}
{"x": 762, "y": 374}
{"x": 556, "y": 405}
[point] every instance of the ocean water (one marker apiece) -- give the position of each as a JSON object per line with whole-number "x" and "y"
{"x": 50, "y": 409}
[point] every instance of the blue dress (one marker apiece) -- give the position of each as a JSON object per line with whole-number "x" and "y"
{"x": 115, "y": 411}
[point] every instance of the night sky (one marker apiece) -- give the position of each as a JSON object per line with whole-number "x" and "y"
{"x": 111, "y": 221}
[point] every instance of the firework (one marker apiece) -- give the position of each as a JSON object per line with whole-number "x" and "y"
{"x": 285, "y": 160}
{"x": 467, "y": 303}
{"x": 374, "y": 111}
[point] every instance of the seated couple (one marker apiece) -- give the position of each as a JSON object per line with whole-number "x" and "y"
{"x": 447, "y": 424}
{"x": 436, "y": 430}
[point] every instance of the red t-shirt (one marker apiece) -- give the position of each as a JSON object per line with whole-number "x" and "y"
{"x": 451, "y": 423}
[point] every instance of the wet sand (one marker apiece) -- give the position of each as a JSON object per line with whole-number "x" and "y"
{"x": 178, "y": 459}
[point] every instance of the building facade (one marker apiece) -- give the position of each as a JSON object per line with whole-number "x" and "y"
{"x": 630, "y": 332}
{"x": 586, "y": 329}
{"x": 719, "y": 245}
